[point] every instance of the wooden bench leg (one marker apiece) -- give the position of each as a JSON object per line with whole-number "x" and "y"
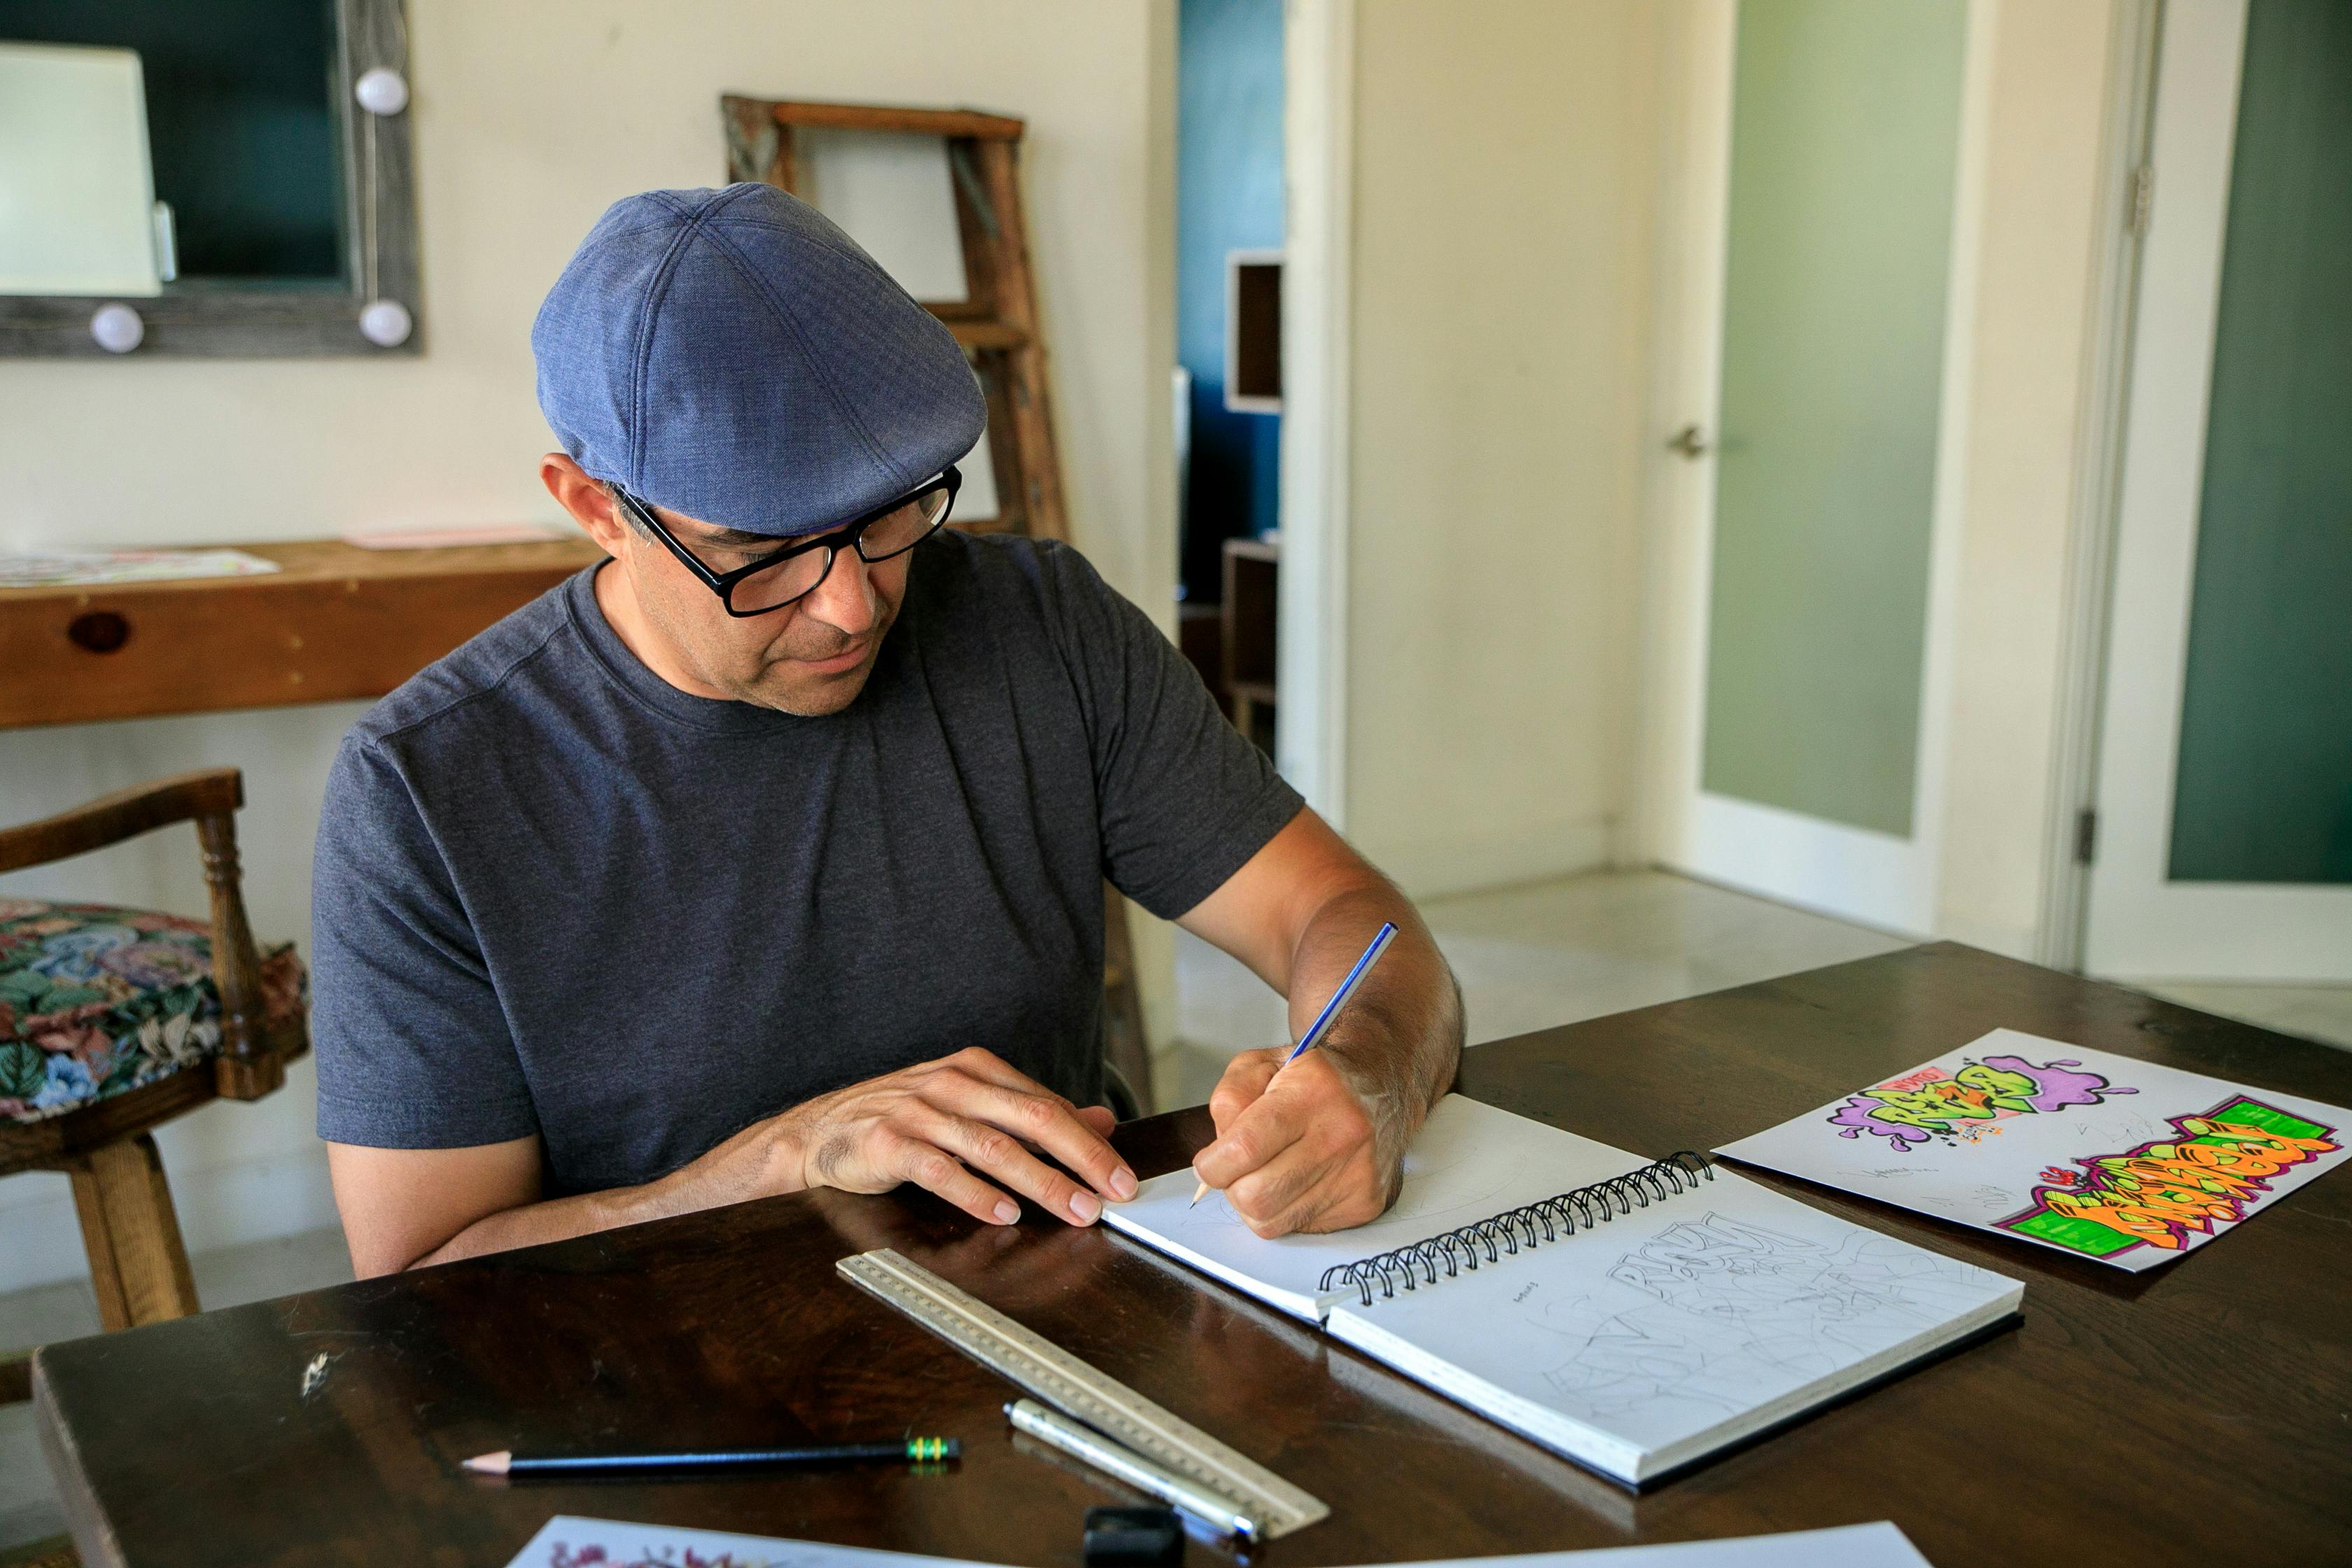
{"x": 137, "y": 1263}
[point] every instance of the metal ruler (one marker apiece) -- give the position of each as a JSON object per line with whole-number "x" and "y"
{"x": 1063, "y": 1381}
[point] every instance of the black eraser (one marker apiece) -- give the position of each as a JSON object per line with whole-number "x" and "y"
{"x": 1134, "y": 1535}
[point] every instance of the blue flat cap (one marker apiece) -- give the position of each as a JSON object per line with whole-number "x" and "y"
{"x": 732, "y": 355}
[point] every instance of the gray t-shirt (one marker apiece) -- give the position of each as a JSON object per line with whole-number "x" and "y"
{"x": 555, "y": 895}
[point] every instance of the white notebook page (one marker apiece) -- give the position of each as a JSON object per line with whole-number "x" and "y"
{"x": 1677, "y": 1329}
{"x": 1470, "y": 1162}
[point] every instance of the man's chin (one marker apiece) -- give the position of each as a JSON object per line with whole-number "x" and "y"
{"x": 806, "y": 693}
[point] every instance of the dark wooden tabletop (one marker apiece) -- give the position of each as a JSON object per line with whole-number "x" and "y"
{"x": 2199, "y": 1412}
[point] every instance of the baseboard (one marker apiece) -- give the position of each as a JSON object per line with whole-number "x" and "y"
{"x": 223, "y": 1205}
{"x": 1441, "y": 864}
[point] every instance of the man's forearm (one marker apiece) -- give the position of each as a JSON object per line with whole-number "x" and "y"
{"x": 747, "y": 1165}
{"x": 969, "y": 1127}
{"x": 1400, "y": 1038}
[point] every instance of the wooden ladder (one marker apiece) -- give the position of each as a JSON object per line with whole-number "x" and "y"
{"x": 996, "y": 322}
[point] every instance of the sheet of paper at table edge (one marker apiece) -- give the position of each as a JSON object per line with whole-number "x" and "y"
{"x": 629, "y": 1545}
{"x": 1995, "y": 1175}
{"x": 1675, "y": 1331}
{"x": 77, "y": 569}
{"x": 1879, "y": 1545}
{"x": 1470, "y": 1162}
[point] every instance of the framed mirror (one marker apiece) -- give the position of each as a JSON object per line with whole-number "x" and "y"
{"x": 233, "y": 179}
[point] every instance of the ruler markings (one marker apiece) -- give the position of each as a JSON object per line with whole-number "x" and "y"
{"x": 1061, "y": 1379}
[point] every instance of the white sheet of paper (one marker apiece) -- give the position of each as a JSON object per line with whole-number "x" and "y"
{"x": 75, "y": 569}
{"x": 1469, "y": 1163}
{"x": 564, "y": 1540}
{"x": 1879, "y": 1545}
{"x": 2064, "y": 1146}
{"x": 561, "y": 1543}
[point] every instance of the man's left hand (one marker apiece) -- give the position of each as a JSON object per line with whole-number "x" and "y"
{"x": 1306, "y": 1148}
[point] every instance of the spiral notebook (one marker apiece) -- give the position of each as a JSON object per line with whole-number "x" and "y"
{"x": 1635, "y": 1316}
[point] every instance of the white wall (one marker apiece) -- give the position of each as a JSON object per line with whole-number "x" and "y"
{"x": 2035, "y": 306}
{"x": 530, "y": 118}
{"x": 1504, "y": 175}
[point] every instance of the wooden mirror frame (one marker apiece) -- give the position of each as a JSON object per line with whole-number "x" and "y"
{"x": 234, "y": 318}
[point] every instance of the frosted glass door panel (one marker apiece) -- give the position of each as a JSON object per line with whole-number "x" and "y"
{"x": 2263, "y": 790}
{"x": 1845, "y": 143}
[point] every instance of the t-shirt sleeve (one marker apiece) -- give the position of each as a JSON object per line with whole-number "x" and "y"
{"x": 1184, "y": 799}
{"x": 414, "y": 1049}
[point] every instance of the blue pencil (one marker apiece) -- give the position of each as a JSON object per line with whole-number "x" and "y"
{"x": 1323, "y": 1020}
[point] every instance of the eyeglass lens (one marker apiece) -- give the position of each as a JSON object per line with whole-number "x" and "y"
{"x": 892, "y": 533}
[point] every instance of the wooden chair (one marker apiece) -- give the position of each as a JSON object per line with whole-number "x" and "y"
{"x": 137, "y": 1263}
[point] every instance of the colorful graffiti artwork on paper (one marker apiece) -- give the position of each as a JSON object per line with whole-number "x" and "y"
{"x": 1968, "y": 1104}
{"x": 2211, "y": 1172}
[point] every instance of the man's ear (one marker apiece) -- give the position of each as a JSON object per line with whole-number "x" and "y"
{"x": 591, "y": 506}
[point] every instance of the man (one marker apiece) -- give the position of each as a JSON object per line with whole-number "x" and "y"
{"x": 768, "y": 854}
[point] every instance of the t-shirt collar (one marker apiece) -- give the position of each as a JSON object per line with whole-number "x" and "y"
{"x": 719, "y": 715}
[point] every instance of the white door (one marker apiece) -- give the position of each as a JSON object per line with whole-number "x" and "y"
{"x": 2225, "y": 847}
{"x": 1819, "y": 218}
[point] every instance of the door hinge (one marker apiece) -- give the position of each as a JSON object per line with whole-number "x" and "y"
{"x": 2086, "y": 836}
{"x": 2143, "y": 192}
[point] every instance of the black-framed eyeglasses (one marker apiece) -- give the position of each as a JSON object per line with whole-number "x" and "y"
{"x": 793, "y": 572}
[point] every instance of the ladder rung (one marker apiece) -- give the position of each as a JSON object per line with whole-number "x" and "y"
{"x": 969, "y": 122}
{"x": 987, "y": 334}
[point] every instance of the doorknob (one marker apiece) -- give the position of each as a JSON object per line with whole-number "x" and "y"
{"x": 1689, "y": 442}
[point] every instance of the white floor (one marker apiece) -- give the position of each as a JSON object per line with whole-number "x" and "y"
{"x": 1531, "y": 957}
{"x": 1528, "y": 958}
{"x": 2321, "y": 1012}
{"x": 1554, "y": 953}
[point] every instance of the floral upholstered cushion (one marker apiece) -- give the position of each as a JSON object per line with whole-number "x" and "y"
{"x": 95, "y": 1000}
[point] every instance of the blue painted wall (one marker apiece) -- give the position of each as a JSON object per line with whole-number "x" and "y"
{"x": 1228, "y": 197}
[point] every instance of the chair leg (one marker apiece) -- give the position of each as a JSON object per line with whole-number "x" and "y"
{"x": 137, "y": 1263}
{"x": 1127, "y": 1049}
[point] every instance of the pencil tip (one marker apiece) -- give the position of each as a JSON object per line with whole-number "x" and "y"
{"x": 491, "y": 1464}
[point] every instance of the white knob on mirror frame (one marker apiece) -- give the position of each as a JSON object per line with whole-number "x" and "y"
{"x": 117, "y": 328}
{"x": 382, "y": 90}
{"x": 386, "y": 324}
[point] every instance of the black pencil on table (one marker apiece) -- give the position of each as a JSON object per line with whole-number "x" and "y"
{"x": 506, "y": 1462}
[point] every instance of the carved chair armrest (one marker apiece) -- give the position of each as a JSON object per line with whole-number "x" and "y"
{"x": 125, "y": 814}
{"x": 249, "y": 1065}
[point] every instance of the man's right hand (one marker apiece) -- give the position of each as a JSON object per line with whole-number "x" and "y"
{"x": 945, "y": 1126}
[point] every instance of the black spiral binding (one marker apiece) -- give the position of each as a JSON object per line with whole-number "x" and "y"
{"x": 1504, "y": 1234}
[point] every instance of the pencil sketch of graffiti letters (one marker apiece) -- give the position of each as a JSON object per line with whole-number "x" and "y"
{"x": 1927, "y": 1103}
{"x": 1730, "y": 1313}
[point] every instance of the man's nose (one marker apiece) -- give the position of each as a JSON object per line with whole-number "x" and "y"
{"x": 844, "y": 600}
